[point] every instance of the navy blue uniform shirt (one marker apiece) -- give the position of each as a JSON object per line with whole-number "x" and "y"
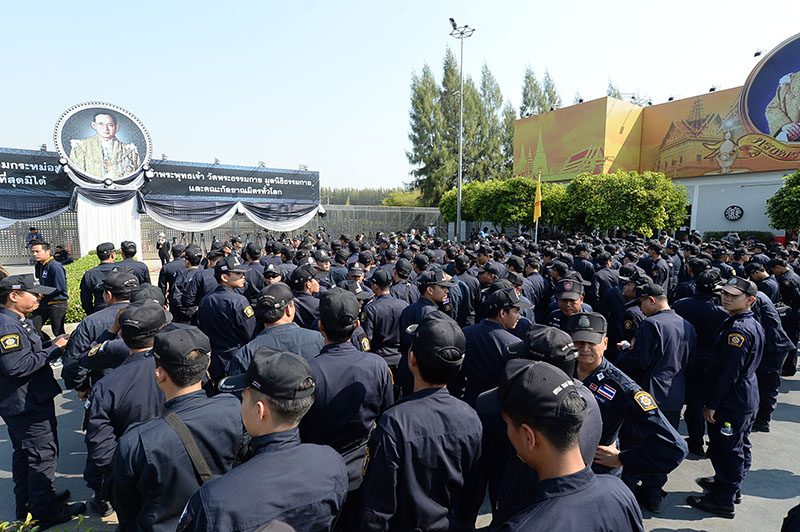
{"x": 353, "y": 388}
{"x": 139, "y": 269}
{"x": 485, "y": 357}
{"x": 169, "y": 274}
{"x": 51, "y": 273}
{"x": 306, "y": 310}
{"x": 706, "y": 315}
{"x": 423, "y": 465}
{"x": 284, "y": 337}
{"x": 580, "y": 501}
{"x": 382, "y": 326}
{"x": 76, "y": 376}
{"x": 405, "y": 291}
{"x": 91, "y": 287}
{"x": 298, "y": 484}
{"x": 228, "y": 320}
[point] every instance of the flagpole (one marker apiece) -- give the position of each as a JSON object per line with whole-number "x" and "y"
{"x": 536, "y": 230}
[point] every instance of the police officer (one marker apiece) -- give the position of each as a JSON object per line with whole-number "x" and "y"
{"x": 706, "y": 315}
{"x": 305, "y": 285}
{"x": 201, "y": 284}
{"x": 657, "y": 360}
{"x": 765, "y": 281}
{"x": 275, "y": 309}
{"x": 731, "y": 399}
{"x": 433, "y": 292}
{"x": 359, "y": 337}
{"x": 658, "y": 268}
{"x": 191, "y": 258}
{"x": 427, "y": 427}
{"x": 170, "y": 271}
{"x": 382, "y": 320}
{"x": 117, "y": 290}
{"x": 125, "y": 396}
{"x": 226, "y": 316}
{"x": 50, "y": 273}
{"x": 789, "y": 283}
{"x": 139, "y": 269}
{"x": 544, "y": 412}
{"x": 27, "y": 389}
{"x": 486, "y": 343}
{"x": 299, "y": 484}
{"x": 648, "y": 442}
{"x": 470, "y": 288}
{"x": 569, "y": 294}
{"x": 91, "y": 286}
{"x": 353, "y": 389}
{"x": 153, "y": 473}
{"x": 254, "y": 274}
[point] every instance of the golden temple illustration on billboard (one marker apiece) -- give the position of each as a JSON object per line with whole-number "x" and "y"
{"x": 753, "y": 128}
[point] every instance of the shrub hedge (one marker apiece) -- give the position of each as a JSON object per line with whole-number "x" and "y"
{"x": 75, "y": 271}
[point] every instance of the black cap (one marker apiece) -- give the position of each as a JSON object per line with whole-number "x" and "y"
{"x": 381, "y": 278}
{"x": 489, "y": 268}
{"x": 301, "y": 275}
{"x": 587, "y": 327}
{"x": 277, "y": 375}
{"x": 515, "y": 278}
{"x": 230, "y": 264}
{"x": 271, "y": 271}
{"x": 142, "y": 318}
{"x": 649, "y": 289}
{"x": 707, "y": 280}
{"x": 193, "y": 252}
{"x": 438, "y": 336}
{"x": 752, "y": 267}
{"x": 321, "y": 255}
{"x": 462, "y": 263}
{"x": 338, "y": 308}
{"x": 148, "y": 292}
{"x": 236, "y": 239}
{"x": 171, "y": 347}
{"x": 121, "y": 282}
{"x": 403, "y": 267}
{"x": 128, "y": 246}
{"x": 537, "y": 389}
{"x": 274, "y": 297}
{"x": 433, "y": 277}
{"x": 559, "y": 267}
{"x": 544, "y": 343}
{"x": 355, "y": 288}
{"x": 26, "y": 282}
{"x": 569, "y": 289}
{"x": 356, "y": 269}
{"x": 505, "y": 299}
{"x": 738, "y": 285}
{"x": 104, "y": 250}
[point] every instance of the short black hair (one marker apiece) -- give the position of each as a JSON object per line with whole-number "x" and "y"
{"x": 562, "y": 433}
{"x": 139, "y": 341}
{"x": 45, "y": 245}
{"x": 434, "y": 370}
{"x": 107, "y": 113}
{"x": 287, "y": 411}
{"x": 337, "y": 334}
{"x": 185, "y": 376}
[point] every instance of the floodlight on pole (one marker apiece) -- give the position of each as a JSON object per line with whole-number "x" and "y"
{"x": 460, "y": 33}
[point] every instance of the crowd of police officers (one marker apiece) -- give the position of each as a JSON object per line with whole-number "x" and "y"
{"x": 391, "y": 384}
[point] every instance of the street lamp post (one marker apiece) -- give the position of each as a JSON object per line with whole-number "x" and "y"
{"x": 460, "y": 33}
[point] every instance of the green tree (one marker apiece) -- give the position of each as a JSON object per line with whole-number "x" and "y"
{"x": 783, "y": 208}
{"x": 551, "y": 98}
{"x": 507, "y": 140}
{"x": 533, "y": 97}
{"x": 431, "y": 152}
{"x": 402, "y": 198}
{"x": 471, "y": 202}
{"x": 490, "y": 130}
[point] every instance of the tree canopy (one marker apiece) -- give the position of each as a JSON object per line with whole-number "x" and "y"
{"x": 783, "y": 208}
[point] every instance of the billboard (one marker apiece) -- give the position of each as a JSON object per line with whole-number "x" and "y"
{"x": 753, "y": 128}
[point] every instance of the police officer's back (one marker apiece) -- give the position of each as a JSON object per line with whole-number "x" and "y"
{"x": 139, "y": 269}
{"x": 382, "y": 319}
{"x": 423, "y": 462}
{"x": 170, "y": 271}
{"x": 275, "y": 308}
{"x": 305, "y": 284}
{"x": 152, "y": 473}
{"x": 127, "y": 395}
{"x": 299, "y": 484}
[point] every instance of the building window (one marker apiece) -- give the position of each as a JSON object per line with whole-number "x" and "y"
{"x": 699, "y": 158}
{"x": 681, "y": 161}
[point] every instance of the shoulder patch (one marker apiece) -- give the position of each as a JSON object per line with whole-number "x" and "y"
{"x": 628, "y": 324}
{"x": 645, "y": 401}
{"x": 735, "y": 340}
{"x": 10, "y": 342}
{"x": 365, "y": 462}
{"x": 365, "y": 344}
{"x": 96, "y": 349}
{"x": 248, "y": 311}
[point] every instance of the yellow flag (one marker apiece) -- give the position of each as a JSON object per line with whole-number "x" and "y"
{"x": 537, "y": 202}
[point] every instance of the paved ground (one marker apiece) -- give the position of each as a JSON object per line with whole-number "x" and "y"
{"x": 771, "y": 488}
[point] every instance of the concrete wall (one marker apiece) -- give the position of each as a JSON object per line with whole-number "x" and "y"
{"x": 711, "y": 195}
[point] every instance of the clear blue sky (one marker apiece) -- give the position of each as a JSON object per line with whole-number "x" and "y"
{"x": 327, "y": 84}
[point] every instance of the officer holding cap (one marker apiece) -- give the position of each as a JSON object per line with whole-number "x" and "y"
{"x": 648, "y": 443}
{"x": 353, "y": 389}
{"x": 127, "y": 395}
{"x": 731, "y": 399}
{"x": 544, "y": 413}
{"x": 27, "y": 389}
{"x": 275, "y": 309}
{"x": 226, "y": 316}
{"x": 153, "y": 474}
{"x": 428, "y": 427}
{"x": 299, "y": 484}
